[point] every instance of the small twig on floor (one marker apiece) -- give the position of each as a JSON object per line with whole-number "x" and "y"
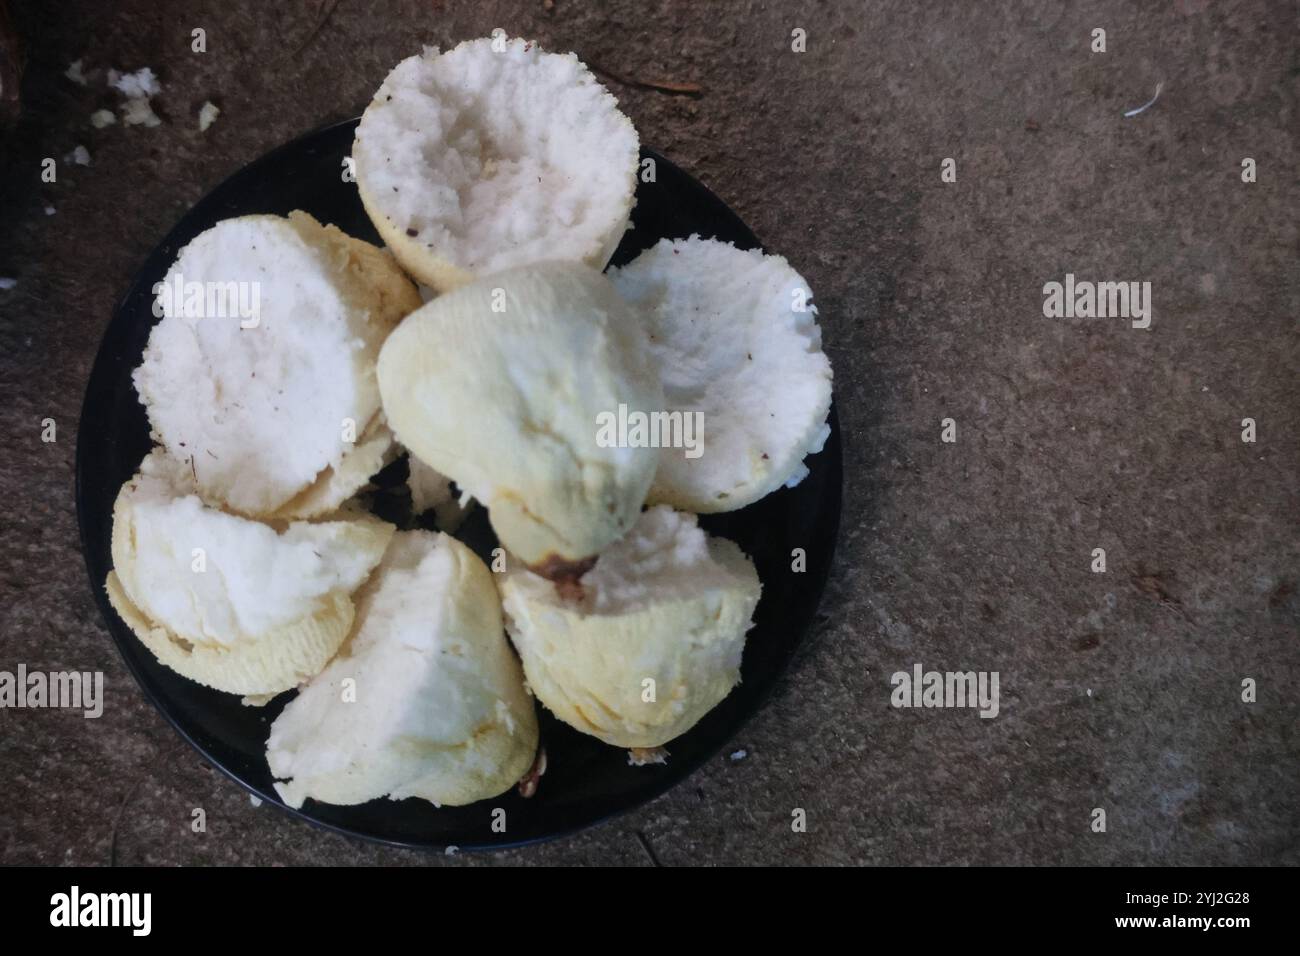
{"x": 117, "y": 822}
{"x": 649, "y": 851}
{"x": 664, "y": 86}
{"x": 326, "y": 13}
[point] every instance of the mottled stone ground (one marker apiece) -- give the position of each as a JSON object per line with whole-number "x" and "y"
{"x": 1119, "y": 690}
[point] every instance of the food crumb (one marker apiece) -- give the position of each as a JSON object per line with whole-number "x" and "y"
{"x": 137, "y": 87}
{"x": 208, "y": 114}
{"x": 101, "y": 118}
{"x": 138, "y": 112}
{"x": 140, "y": 83}
{"x": 73, "y": 72}
{"x": 644, "y": 756}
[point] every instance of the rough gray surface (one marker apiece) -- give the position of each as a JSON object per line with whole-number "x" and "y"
{"x": 1119, "y": 690}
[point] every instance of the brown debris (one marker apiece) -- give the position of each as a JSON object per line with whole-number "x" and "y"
{"x": 1153, "y": 585}
{"x": 11, "y": 67}
{"x": 659, "y": 86}
{"x": 562, "y": 570}
{"x": 327, "y": 11}
{"x": 529, "y": 782}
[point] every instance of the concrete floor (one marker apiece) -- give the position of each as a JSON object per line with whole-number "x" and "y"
{"x": 1119, "y": 690}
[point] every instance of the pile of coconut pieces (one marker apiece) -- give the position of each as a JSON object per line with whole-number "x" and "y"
{"x": 593, "y": 414}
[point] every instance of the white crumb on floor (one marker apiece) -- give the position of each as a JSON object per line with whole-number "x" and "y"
{"x": 49, "y": 210}
{"x": 208, "y": 114}
{"x": 254, "y": 799}
{"x": 140, "y": 83}
{"x": 101, "y": 118}
{"x": 137, "y": 87}
{"x": 73, "y": 72}
{"x": 80, "y": 156}
{"x": 138, "y": 112}
{"x": 451, "y": 851}
{"x": 740, "y": 755}
{"x": 6, "y": 284}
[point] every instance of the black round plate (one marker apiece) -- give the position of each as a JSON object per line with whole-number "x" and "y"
{"x": 586, "y": 781}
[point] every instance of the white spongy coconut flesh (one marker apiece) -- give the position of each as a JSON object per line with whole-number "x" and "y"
{"x": 227, "y": 601}
{"x": 501, "y": 386}
{"x": 425, "y": 700}
{"x": 261, "y": 372}
{"x": 492, "y": 155}
{"x": 667, "y": 604}
{"x": 735, "y": 337}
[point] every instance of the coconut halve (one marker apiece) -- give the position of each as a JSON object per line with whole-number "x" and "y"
{"x": 494, "y": 155}
{"x": 735, "y": 338}
{"x": 648, "y": 642}
{"x": 261, "y": 373}
{"x": 425, "y": 700}
{"x": 227, "y": 601}
{"x": 501, "y": 385}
